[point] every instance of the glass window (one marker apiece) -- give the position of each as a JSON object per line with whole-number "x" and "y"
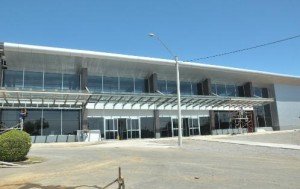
{"x": 33, "y": 80}
{"x": 71, "y": 82}
{"x": 171, "y": 87}
{"x": 70, "y": 122}
{"x": 194, "y": 89}
{"x": 141, "y": 85}
{"x": 126, "y": 84}
{"x": 231, "y": 90}
{"x": 214, "y": 89}
{"x": 111, "y": 128}
{"x": 185, "y": 88}
{"x": 10, "y": 118}
{"x": 224, "y": 119}
{"x": 95, "y": 83}
{"x": 257, "y": 92}
{"x": 205, "y": 125}
{"x": 52, "y": 120}
{"x": 165, "y": 127}
{"x": 110, "y": 84}
{"x": 32, "y": 123}
{"x": 221, "y": 90}
{"x": 162, "y": 86}
{"x": 147, "y": 127}
{"x": 96, "y": 124}
{"x": 13, "y": 78}
{"x": 52, "y": 81}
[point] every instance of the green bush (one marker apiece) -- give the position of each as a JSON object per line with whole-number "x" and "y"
{"x": 14, "y": 145}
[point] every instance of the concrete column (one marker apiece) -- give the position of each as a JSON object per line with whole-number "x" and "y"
{"x": 153, "y": 87}
{"x": 83, "y": 78}
{"x": 156, "y": 123}
{"x": 84, "y": 120}
{"x": 199, "y": 88}
{"x": 206, "y": 85}
{"x": 212, "y": 120}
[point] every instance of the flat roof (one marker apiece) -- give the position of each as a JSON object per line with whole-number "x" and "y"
{"x": 149, "y": 60}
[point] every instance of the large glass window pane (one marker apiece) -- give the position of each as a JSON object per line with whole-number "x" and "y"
{"x": 214, "y": 89}
{"x": 110, "y": 84}
{"x": 171, "y": 87}
{"x": 96, "y": 124}
{"x": 33, "y": 80}
{"x": 205, "y": 125}
{"x": 257, "y": 92}
{"x": 70, "y": 122}
{"x": 147, "y": 127}
{"x": 111, "y": 128}
{"x": 10, "y": 118}
{"x": 71, "y": 82}
{"x": 13, "y": 79}
{"x": 32, "y": 123}
{"x": 126, "y": 84}
{"x": 231, "y": 90}
{"x": 52, "y": 120}
{"x": 95, "y": 83}
{"x": 141, "y": 85}
{"x": 52, "y": 81}
{"x": 165, "y": 127}
{"x": 185, "y": 88}
{"x": 194, "y": 89}
{"x": 162, "y": 86}
{"x": 221, "y": 90}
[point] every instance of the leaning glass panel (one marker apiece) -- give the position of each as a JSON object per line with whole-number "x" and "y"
{"x": 33, "y": 80}
{"x": 126, "y": 85}
{"x": 71, "y": 82}
{"x": 13, "y": 79}
{"x": 70, "y": 122}
{"x": 52, "y": 122}
{"x": 52, "y": 81}
{"x": 110, "y": 84}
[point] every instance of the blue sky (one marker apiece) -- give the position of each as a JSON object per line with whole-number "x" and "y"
{"x": 191, "y": 28}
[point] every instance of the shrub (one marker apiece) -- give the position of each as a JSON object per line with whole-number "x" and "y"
{"x": 14, "y": 145}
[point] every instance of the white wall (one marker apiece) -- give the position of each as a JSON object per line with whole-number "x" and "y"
{"x": 288, "y": 106}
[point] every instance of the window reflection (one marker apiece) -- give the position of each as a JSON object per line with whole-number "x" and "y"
{"x": 147, "y": 127}
{"x": 33, "y": 80}
{"x": 95, "y": 83}
{"x": 52, "y": 81}
{"x": 162, "y": 86}
{"x": 171, "y": 87}
{"x": 53, "y": 119}
{"x": 70, "y": 122}
{"x": 126, "y": 84}
{"x": 13, "y": 78}
{"x": 141, "y": 85}
{"x": 110, "y": 84}
{"x": 185, "y": 88}
{"x": 165, "y": 127}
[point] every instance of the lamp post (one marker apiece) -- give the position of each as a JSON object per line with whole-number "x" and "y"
{"x": 178, "y": 86}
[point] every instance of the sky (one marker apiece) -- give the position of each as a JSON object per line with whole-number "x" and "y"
{"x": 191, "y": 28}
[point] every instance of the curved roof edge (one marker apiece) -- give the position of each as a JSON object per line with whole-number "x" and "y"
{"x": 96, "y": 54}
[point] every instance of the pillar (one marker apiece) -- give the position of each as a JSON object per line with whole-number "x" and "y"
{"x": 248, "y": 89}
{"x": 212, "y": 120}
{"x": 153, "y": 83}
{"x": 156, "y": 124}
{"x": 83, "y": 78}
{"x": 206, "y": 85}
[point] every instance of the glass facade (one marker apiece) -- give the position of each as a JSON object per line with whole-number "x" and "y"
{"x": 13, "y": 79}
{"x": 126, "y": 85}
{"x": 147, "y": 127}
{"x": 141, "y": 85}
{"x": 110, "y": 84}
{"x": 44, "y": 122}
{"x": 95, "y": 123}
{"x": 94, "y": 83}
{"x": 71, "y": 82}
{"x": 52, "y": 81}
{"x": 165, "y": 127}
{"x": 225, "y": 90}
{"x": 111, "y": 128}
{"x": 205, "y": 125}
{"x": 33, "y": 80}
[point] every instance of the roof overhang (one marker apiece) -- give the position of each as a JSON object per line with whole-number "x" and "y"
{"x": 78, "y": 100}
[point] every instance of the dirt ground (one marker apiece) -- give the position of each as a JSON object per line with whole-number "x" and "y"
{"x": 160, "y": 164}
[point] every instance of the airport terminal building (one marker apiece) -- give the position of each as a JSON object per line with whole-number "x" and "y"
{"x": 127, "y": 97}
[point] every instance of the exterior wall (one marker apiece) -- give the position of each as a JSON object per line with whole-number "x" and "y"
{"x": 288, "y": 106}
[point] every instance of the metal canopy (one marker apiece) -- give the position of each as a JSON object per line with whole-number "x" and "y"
{"x": 72, "y": 100}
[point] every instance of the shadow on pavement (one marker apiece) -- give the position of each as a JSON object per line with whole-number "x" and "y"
{"x": 39, "y": 186}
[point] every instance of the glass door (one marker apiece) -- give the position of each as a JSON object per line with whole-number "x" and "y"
{"x": 133, "y": 129}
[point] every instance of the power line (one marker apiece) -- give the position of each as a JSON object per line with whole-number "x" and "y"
{"x": 245, "y": 49}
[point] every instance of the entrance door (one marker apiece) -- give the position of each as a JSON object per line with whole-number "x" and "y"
{"x": 122, "y": 129}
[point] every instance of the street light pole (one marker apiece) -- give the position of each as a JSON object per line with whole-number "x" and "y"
{"x": 178, "y": 87}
